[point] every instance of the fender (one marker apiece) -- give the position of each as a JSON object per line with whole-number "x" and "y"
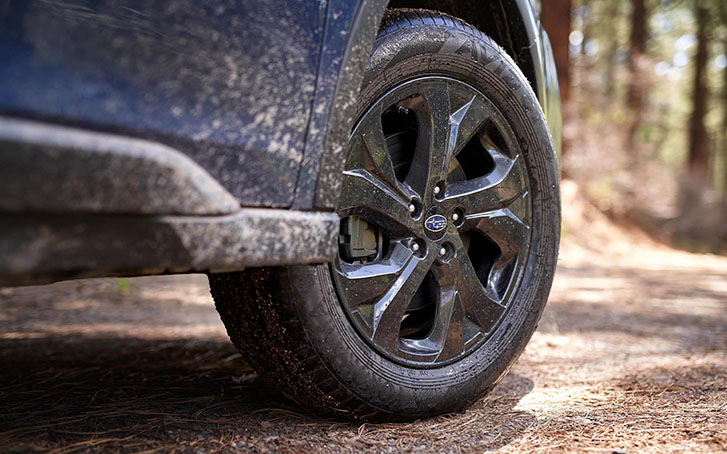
{"x": 348, "y": 39}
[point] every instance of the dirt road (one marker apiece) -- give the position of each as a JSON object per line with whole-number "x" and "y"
{"x": 630, "y": 356}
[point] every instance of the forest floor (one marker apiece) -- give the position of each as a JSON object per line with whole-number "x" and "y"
{"x": 630, "y": 356}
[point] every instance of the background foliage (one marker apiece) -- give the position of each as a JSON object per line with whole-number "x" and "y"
{"x": 645, "y": 90}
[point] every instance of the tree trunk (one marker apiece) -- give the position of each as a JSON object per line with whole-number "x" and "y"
{"x": 612, "y": 50}
{"x": 722, "y": 10}
{"x": 556, "y": 21}
{"x": 724, "y": 122}
{"x": 587, "y": 25}
{"x": 698, "y": 162}
{"x": 637, "y": 51}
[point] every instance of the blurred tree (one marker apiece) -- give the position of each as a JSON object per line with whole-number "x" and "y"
{"x": 698, "y": 157}
{"x": 637, "y": 51}
{"x": 722, "y": 10}
{"x": 587, "y": 26}
{"x": 556, "y": 19}
{"x": 611, "y": 20}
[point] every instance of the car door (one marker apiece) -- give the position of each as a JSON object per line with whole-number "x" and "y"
{"x": 228, "y": 83}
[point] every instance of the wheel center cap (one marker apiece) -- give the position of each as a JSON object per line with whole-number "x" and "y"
{"x": 435, "y": 223}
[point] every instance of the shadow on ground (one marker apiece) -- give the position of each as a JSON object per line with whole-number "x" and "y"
{"x": 69, "y": 394}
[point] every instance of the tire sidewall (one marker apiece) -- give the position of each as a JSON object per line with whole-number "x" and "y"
{"x": 465, "y": 54}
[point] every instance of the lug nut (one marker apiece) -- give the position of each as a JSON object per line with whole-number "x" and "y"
{"x": 415, "y": 247}
{"x": 412, "y": 208}
{"x": 455, "y": 217}
{"x": 437, "y": 189}
{"x": 443, "y": 251}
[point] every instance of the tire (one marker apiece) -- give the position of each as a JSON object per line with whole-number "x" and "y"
{"x": 297, "y": 325}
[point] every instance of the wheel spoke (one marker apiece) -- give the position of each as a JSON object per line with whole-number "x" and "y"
{"x": 478, "y": 302}
{"x": 366, "y": 195}
{"x": 465, "y": 122}
{"x": 497, "y": 189}
{"x": 503, "y": 227}
{"x": 445, "y": 338}
{"x": 430, "y": 162}
{"x": 370, "y": 152}
{"x": 510, "y": 234}
{"x": 367, "y": 282}
{"x": 389, "y": 310}
{"x": 453, "y": 343}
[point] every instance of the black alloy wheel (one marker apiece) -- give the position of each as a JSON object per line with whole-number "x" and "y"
{"x": 435, "y": 215}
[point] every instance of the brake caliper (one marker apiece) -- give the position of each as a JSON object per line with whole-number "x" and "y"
{"x": 359, "y": 241}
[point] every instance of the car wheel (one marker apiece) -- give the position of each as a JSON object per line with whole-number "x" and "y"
{"x": 450, "y": 220}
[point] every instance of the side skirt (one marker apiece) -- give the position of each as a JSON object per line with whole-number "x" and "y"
{"x": 37, "y": 249}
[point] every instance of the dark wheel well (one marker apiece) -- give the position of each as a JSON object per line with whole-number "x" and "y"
{"x": 499, "y": 19}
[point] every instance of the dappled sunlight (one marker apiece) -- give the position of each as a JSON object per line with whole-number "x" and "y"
{"x": 554, "y": 400}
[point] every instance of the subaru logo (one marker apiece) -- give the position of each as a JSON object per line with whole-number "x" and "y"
{"x": 436, "y": 223}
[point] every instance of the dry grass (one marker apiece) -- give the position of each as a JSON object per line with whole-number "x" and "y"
{"x": 631, "y": 355}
